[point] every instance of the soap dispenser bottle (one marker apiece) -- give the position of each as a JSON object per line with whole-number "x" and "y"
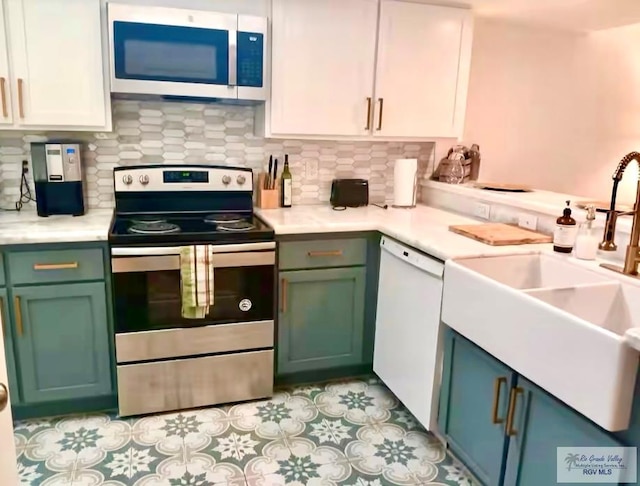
{"x": 587, "y": 241}
{"x": 564, "y": 236}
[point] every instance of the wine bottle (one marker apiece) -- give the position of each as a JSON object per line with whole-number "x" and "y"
{"x": 285, "y": 197}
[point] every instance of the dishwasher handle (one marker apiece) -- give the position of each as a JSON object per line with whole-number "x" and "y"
{"x": 413, "y": 257}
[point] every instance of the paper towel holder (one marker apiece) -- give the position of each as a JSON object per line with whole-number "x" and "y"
{"x": 413, "y": 199}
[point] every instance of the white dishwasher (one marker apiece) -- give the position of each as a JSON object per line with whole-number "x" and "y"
{"x": 407, "y": 353}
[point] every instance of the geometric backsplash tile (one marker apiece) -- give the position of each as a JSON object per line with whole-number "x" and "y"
{"x": 165, "y": 132}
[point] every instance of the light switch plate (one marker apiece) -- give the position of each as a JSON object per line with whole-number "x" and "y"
{"x": 311, "y": 169}
{"x": 482, "y": 211}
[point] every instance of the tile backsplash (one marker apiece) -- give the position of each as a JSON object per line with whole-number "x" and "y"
{"x": 154, "y": 132}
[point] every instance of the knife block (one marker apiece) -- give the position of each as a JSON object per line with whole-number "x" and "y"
{"x": 267, "y": 198}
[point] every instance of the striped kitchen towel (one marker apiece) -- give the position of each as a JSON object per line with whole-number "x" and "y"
{"x": 196, "y": 275}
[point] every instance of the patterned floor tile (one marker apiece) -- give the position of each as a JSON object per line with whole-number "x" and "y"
{"x": 348, "y": 433}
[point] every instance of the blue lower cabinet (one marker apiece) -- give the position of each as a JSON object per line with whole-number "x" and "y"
{"x": 474, "y": 407}
{"x": 62, "y": 341}
{"x": 504, "y": 428}
{"x": 321, "y": 319}
{"x": 540, "y": 424}
{"x": 8, "y": 347}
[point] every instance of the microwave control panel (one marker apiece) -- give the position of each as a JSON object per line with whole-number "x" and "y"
{"x": 250, "y": 59}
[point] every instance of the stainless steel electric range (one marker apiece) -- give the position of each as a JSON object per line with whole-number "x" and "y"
{"x": 167, "y": 362}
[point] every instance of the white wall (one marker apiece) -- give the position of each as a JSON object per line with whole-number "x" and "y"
{"x": 616, "y": 61}
{"x": 553, "y": 109}
{"x": 528, "y": 106}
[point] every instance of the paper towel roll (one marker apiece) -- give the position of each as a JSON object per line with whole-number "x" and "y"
{"x": 405, "y": 172}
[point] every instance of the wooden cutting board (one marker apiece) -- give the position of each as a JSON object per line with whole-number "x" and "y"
{"x": 501, "y": 187}
{"x": 500, "y": 234}
{"x": 604, "y": 206}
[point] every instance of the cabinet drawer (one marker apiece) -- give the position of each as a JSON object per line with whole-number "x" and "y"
{"x": 34, "y": 267}
{"x": 194, "y": 382}
{"x": 323, "y": 253}
{"x": 174, "y": 343}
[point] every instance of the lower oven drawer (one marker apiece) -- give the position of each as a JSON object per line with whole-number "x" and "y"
{"x": 194, "y": 382}
{"x": 174, "y": 343}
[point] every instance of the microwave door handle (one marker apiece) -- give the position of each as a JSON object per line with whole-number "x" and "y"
{"x": 233, "y": 58}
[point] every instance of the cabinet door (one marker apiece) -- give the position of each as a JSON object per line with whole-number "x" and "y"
{"x": 8, "y": 456}
{"x": 541, "y": 424}
{"x": 323, "y": 54}
{"x": 56, "y": 55}
{"x": 424, "y": 54}
{"x": 471, "y": 404}
{"x": 6, "y": 115}
{"x": 62, "y": 341}
{"x": 8, "y": 347}
{"x": 321, "y": 319}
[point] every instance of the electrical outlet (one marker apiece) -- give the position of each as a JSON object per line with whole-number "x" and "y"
{"x": 528, "y": 221}
{"x": 311, "y": 169}
{"x": 482, "y": 211}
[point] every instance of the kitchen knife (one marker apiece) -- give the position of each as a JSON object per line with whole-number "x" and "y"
{"x": 267, "y": 180}
{"x": 275, "y": 175}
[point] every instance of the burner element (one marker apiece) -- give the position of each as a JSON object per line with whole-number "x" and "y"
{"x": 148, "y": 220}
{"x": 161, "y": 227}
{"x": 236, "y": 226}
{"x": 223, "y": 218}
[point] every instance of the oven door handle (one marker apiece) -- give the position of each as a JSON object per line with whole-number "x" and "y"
{"x": 175, "y": 250}
{"x": 156, "y": 263}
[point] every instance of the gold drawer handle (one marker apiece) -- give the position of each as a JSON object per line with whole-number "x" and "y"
{"x": 4, "y": 396}
{"x": 513, "y": 398}
{"x": 5, "y": 113}
{"x": 18, "y": 310}
{"x": 56, "y": 266}
{"x": 497, "y": 387}
{"x": 331, "y": 253}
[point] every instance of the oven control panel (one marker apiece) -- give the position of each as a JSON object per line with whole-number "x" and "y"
{"x": 182, "y": 178}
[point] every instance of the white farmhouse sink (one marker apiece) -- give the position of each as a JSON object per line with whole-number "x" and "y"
{"x": 532, "y": 271}
{"x": 557, "y": 324}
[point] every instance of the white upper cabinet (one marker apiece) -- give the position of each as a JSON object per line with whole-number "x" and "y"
{"x": 56, "y": 60}
{"x": 6, "y": 114}
{"x": 323, "y": 53}
{"x": 331, "y": 57}
{"x": 424, "y": 53}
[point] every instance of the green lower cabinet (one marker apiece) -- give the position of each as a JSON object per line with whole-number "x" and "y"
{"x": 474, "y": 430}
{"x": 506, "y": 435}
{"x": 542, "y": 423}
{"x": 8, "y": 346}
{"x": 62, "y": 341}
{"x": 321, "y": 319}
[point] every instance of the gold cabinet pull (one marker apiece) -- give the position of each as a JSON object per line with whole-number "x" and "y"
{"x": 513, "y": 398}
{"x": 283, "y": 295}
{"x": 18, "y": 310}
{"x": 381, "y": 100}
{"x": 4, "y": 396}
{"x": 497, "y": 387}
{"x": 368, "y": 127}
{"x": 20, "y": 100}
{"x": 56, "y": 266}
{"x": 3, "y": 81}
{"x": 324, "y": 253}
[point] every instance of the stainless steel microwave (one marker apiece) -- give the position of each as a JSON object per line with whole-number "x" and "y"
{"x": 187, "y": 53}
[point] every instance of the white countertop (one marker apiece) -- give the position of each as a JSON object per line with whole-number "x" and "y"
{"x": 422, "y": 227}
{"x": 26, "y": 227}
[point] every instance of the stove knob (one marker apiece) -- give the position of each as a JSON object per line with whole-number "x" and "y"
{"x": 127, "y": 179}
{"x": 241, "y": 179}
{"x": 226, "y": 180}
{"x": 144, "y": 179}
